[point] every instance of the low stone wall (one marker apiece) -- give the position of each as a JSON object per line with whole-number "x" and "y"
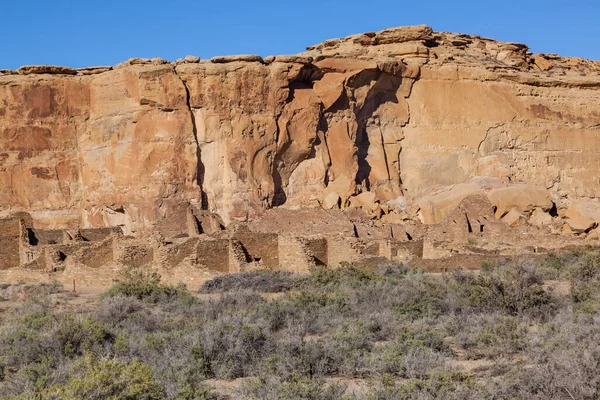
{"x": 97, "y": 255}
{"x": 294, "y": 255}
{"x": 10, "y": 243}
{"x": 38, "y": 237}
{"x": 214, "y": 254}
{"x": 98, "y": 234}
{"x": 261, "y": 247}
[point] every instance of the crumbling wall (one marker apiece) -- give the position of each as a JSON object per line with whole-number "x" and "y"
{"x": 406, "y": 251}
{"x": 260, "y": 247}
{"x": 39, "y": 237}
{"x": 98, "y": 234}
{"x": 319, "y": 250}
{"x": 180, "y": 251}
{"x": 213, "y": 254}
{"x": 207, "y": 222}
{"x": 97, "y": 255}
{"x": 179, "y": 224}
{"x": 11, "y": 236}
{"x": 135, "y": 255}
{"x": 343, "y": 249}
{"x": 294, "y": 254}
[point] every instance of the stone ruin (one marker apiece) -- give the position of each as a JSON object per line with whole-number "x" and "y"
{"x": 403, "y": 145}
{"x": 467, "y": 225}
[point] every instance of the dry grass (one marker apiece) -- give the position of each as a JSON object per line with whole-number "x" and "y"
{"x": 517, "y": 330}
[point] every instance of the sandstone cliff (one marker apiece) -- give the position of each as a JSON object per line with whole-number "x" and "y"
{"x": 382, "y": 119}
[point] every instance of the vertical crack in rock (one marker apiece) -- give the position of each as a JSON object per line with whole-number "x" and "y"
{"x": 405, "y": 124}
{"x": 200, "y": 166}
{"x": 385, "y": 156}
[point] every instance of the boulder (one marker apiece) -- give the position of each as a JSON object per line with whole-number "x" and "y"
{"x": 365, "y": 200}
{"x": 580, "y": 224}
{"x": 513, "y": 218}
{"x": 393, "y": 218}
{"x": 540, "y": 217}
{"x": 587, "y": 209}
{"x": 434, "y": 207}
{"x": 523, "y": 198}
{"x": 332, "y": 200}
{"x": 398, "y": 204}
{"x": 191, "y": 59}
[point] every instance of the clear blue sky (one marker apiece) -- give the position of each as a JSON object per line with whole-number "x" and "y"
{"x": 83, "y": 33}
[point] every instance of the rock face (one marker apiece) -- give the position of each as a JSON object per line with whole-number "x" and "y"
{"x": 399, "y": 113}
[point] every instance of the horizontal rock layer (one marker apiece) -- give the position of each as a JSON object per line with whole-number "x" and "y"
{"x": 396, "y": 113}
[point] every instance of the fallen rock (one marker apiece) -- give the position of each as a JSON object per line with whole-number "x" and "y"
{"x": 393, "y": 218}
{"x": 540, "y": 217}
{"x": 434, "y": 207}
{"x": 587, "y": 209}
{"x": 398, "y": 204}
{"x": 365, "y": 200}
{"x": 332, "y": 200}
{"x": 566, "y": 230}
{"x": 580, "y": 224}
{"x": 513, "y": 218}
{"x": 523, "y": 198}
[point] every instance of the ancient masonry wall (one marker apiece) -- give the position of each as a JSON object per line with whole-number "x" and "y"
{"x": 10, "y": 240}
{"x": 52, "y": 250}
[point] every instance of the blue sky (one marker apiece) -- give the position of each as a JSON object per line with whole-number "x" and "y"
{"x": 83, "y": 33}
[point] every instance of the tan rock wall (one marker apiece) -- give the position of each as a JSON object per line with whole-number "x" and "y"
{"x": 398, "y": 113}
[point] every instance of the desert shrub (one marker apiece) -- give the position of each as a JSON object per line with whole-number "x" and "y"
{"x": 440, "y": 385}
{"x": 396, "y": 271}
{"x": 416, "y": 350}
{"x": 295, "y": 356}
{"x": 394, "y": 322}
{"x": 118, "y": 308}
{"x": 295, "y": 388}
{"x": 144, "y": 284}
{"x": 345, "y": 275}
{"x": 586, "y": 266}
{"x": 73, "y": 335}
{"x": 493, "y": 336}
{"x": 93, "y": 378}
{"x": 233, "y": 348}
{"x": 563, "y": 362}
{"x": 512, "y": 287}
{"x": 22, "y": 339}
{"x": 348, "y": 348}
{"x": 260, "y": 281}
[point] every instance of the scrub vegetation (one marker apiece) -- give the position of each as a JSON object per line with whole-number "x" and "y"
{"x": 521, "y": 329}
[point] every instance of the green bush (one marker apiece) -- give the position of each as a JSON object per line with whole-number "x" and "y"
{"x": 108, "y": 379}
{"x": 73, "y": 335}
{"x": 513, "y": 287}
{"x": 144, "y": 284}
{"x": 492, "y": 336}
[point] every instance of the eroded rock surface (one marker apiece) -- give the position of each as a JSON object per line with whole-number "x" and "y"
{"x": 405, "y": 115}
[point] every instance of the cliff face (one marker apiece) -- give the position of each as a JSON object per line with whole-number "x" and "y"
{"x": 395, "y": 113}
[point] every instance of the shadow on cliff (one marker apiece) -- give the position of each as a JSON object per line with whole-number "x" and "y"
{"x": 384, "y": 90}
